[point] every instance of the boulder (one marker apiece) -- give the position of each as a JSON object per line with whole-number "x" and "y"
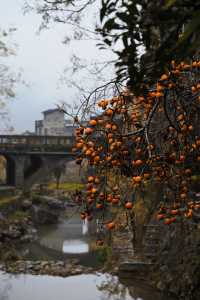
{"x": 12, "y": 232}
{"x": 55, "y": 204}
{"x": 26, "y": 204}
{"x": 2, "y": 217}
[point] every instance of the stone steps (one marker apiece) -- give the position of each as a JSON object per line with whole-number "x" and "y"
{"x": 152, "y": 240}
{"x": 123, "y": 247}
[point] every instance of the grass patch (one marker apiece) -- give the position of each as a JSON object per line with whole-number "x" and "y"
{"x": 195, "y": 177}
{"x": 66, "y": 186}
{"x": 104, "y": 254}
{"x": 6, "y": 201}
{"x": 18, "y": 215}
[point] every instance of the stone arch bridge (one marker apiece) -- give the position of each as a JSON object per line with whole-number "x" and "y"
{"x": 30, "y": 158}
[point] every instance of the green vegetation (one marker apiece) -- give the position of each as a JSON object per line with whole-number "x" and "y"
{"x": 103, "y": 254}
{"x": 18, "y": 215}
{"x": 6, "y": 201}
{"x": 195, "y": 177}
{"x": 150, "y": 33}
{"x": 66, "y": 186}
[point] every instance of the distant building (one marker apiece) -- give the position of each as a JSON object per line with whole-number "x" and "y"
{"x": 27, "y": 132}
{"x": 54, "y": 123}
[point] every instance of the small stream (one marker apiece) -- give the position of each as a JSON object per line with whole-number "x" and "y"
{"x": 70, "y": 238}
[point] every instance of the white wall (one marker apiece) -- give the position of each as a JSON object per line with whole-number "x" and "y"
{"x": 54, "y": 124}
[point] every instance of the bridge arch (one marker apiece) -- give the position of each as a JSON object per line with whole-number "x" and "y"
{"x": 11, "y": 170}
{"x": 33, "y": 164}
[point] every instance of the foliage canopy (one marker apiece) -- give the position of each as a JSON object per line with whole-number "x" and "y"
{"x": 145, "y": 35}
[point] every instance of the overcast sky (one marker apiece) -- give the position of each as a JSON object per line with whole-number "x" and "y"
{"x": 42, "y": 59}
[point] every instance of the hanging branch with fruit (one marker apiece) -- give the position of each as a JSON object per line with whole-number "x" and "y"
{"x": 146, "y": 139}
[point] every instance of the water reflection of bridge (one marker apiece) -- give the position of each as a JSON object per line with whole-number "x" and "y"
{"x": 70, "y": 236}
{"x": 29, "y": 158}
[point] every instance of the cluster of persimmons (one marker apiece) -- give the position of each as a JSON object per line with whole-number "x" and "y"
{"x": 150, "y": 138}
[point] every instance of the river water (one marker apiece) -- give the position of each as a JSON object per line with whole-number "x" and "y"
{"x": 70, "y": 238}
{"x": 84, "y": 287}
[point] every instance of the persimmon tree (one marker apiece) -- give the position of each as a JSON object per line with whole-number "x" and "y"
{"x": 150, "y": 138}
{"x": 145, "y": 131}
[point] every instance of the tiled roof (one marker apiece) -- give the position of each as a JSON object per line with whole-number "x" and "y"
{"x": 49, "y": 111}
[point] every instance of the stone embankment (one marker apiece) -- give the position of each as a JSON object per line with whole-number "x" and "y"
{"x": 53, "y": 268}
{"x": 20, "y": 218}
{"x": 169, "y": 260}
{"x": 178, "y": 262}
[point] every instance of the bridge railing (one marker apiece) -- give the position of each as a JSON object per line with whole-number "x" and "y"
{"x": 35, "y": 142}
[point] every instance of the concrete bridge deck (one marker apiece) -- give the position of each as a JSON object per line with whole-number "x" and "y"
{"x": 32, "y": 143}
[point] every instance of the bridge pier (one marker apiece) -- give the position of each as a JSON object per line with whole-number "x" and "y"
{"x": 15, "y": 170}
{"x": 19, "y": 170}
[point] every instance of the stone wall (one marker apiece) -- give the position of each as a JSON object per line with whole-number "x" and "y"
{"x": 178, "y": 263}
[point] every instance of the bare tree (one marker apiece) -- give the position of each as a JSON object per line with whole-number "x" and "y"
{"x": 58, "y": 171}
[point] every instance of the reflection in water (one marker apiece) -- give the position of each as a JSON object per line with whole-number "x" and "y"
{"x": 86, "y": 287}
{"x": 128, "y": 289}
{"x": 30, "y": 287}
{"x": 5, "y": 288}
{"x": 85, "y": 227}
{"x": 75, "y": 246}
{"x": 69, "y": 236}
